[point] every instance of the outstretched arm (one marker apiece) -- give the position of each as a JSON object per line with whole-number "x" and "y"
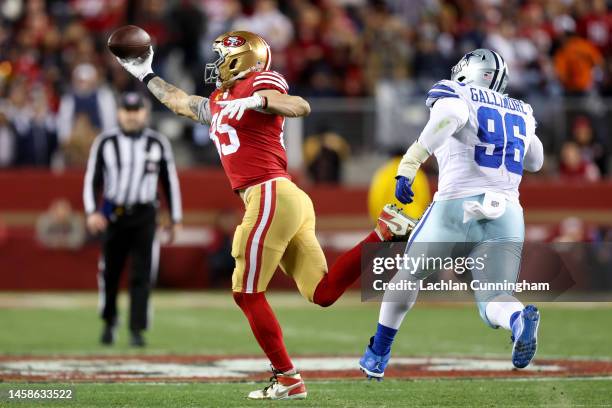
{"x": 178, "y": 101}
{"x": 285, "y": 105}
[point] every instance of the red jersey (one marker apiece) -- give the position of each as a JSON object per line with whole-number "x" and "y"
{"x": 252, "y": 149}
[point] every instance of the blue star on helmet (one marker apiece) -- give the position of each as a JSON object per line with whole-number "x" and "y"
{"x": 470, "y": 54}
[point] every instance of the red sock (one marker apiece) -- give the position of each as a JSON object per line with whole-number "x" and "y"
{"x": 342, "y": 274}
{"x": 265, "y": 327}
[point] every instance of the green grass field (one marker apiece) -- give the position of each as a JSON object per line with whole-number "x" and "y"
{"x": 209, "y": 324}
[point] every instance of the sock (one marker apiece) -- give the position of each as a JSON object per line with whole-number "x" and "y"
{"x": 343, "y": 273}
{"x": 501, "y": 311}
{"x": 265, "y": 327}
{"x": 383, "y": 339}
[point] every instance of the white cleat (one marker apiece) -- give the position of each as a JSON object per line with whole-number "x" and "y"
{"x": 282, "y": 387}
{"x": 393, "y": 224}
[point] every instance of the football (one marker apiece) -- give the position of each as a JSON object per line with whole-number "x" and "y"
{"x": 129, "y": 41}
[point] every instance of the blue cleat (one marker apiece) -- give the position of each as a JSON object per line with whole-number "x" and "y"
{"x": 372, "y": 364}
{"x": 525, "y": 336}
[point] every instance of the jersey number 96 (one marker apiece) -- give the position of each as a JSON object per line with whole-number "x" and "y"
{"x": 504, "y": 138}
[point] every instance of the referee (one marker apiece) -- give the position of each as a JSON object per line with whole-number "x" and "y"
{"x": 126, "y": 163}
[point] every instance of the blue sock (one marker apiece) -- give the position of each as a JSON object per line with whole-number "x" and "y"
{"x": 513, "y": 318}
{"x": 383, "y": 339}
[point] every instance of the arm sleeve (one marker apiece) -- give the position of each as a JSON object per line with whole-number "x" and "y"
{"x": 447, "y": 116}
{"x": 170, "y": 182}
{"x": 534, "y": 158}
{"x": 93, "y": 177}
{"x": 269, "y": 80}
{"x": 204, "y": 115}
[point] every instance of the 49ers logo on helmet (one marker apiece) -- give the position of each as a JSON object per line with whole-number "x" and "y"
{"x": 233, "y": 41}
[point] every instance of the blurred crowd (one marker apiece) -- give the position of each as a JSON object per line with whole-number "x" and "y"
{"x": 58, "y": 81}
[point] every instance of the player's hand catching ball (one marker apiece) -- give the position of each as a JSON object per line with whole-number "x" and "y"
{"x": 403, "y": 190}
{"x": 139, "y": 67}
{"x": 237, "y": 107}
{"x": 96, "y": 223}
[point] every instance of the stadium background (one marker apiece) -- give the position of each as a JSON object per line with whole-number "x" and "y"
{"x": 364, "y": 66}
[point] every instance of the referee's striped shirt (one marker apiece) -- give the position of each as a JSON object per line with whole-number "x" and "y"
{"x": 128, "y": 169}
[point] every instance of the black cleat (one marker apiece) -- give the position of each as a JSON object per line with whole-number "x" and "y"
{"x": 108, "y": 335}
{"x": 137, "y": 340}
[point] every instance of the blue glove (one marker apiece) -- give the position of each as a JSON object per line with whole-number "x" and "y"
{"x": 403, "y": 190}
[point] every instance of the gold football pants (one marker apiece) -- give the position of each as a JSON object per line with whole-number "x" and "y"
{"x": 278, "y": 229}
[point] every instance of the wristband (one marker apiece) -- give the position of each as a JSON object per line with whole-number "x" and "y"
{"x": 148, "y": 77}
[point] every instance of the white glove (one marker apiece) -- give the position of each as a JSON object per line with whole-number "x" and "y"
{"x": 238, "y": 106}
{"x": 139, "y": 67}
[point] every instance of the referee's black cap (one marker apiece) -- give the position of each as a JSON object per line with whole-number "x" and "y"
{"x": 131, "y": 101}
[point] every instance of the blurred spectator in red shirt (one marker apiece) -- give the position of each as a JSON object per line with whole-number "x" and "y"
{"x": 595, "y": 23}
{"x": 36, "y": 23}
{"x": 100, "y": 16}
{"x": 591, "y": 148}
{"x": 573, "y": 167}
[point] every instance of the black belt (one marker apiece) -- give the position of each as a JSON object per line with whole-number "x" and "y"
{"x": 114, "y": 210}
{"x": 131, "y": 209}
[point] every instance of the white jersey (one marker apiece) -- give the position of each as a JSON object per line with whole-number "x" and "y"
{"x": 486, "y": 155}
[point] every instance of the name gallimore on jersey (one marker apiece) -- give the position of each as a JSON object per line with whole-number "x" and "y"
{"x": 450, "y": 285}
{"x": 493, "y": 98}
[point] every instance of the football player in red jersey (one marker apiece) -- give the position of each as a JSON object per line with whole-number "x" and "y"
{"x": 246, "y": 114}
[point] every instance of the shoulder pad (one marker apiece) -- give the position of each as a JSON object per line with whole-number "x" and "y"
{"x": 442, "y": 89}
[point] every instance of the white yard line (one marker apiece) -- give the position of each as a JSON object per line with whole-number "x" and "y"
{"x": 222, "y": 299}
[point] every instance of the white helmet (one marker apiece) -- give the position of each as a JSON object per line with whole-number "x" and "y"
{"x": 482, "y": 67}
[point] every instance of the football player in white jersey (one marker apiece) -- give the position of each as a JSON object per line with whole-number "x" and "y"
{"x": 482, "y": 140}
